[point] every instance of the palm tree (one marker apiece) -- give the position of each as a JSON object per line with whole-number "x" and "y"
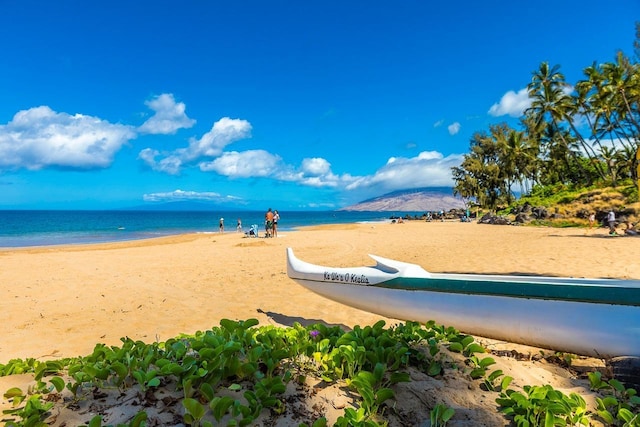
{"x": 623, "y": 86}
{"x": 551, "y": 103}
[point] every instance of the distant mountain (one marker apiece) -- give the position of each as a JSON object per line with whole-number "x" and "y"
{"x": 416, "y": 200}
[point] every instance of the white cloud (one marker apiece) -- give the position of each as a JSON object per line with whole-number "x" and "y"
{"x": 180, "y": 195}
{"x": 313, "y": 172}
{"x": 429, "y": 155}
{"x": 168, "y": 118}
{"x": 511, "y": 103}
{"x": 438, "y": 123}
{"x": 428, "y": 169}
{"x": 453, "y": 128}
{"x": 39, "y": 137}
{"x": 251, "y": 163}
{"x": 222, "y": 133}
{"x": 316, "y": 166}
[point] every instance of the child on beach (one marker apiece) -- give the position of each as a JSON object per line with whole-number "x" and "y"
{"x": 611, "y": 219}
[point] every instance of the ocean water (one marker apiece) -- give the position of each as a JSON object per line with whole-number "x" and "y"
{"x": 22, "y": 228}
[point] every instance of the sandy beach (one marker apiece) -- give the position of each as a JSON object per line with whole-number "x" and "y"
{"x": 61, "y": 301}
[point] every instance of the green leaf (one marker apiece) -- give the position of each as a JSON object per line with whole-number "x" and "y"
{"x": 447, "y": 414}
{"x": 505, "y": 382}
{"x": 539, "y": 393}
{"x": 609, "y": 401}
{"x": 220, "y": 406}
{"x": 207, "y": 391}
{"x": 383, "y": 395}
{"x": 477, "y": 373}
{"x": 58, "y": 383}
{"x": 549, "y": 419}
{"x": 378, "y": 372}
{"x": 487, "y": 361}
{"x": 606, "y": 416}
{"x": 456, "y": 347}
{"x": 139, "y": 419}
{"x": 399, "y": 377}
{"x": 434, "y": 369}
{"x": 625, "y": 415}
{"x": 250, "y": 323}
{"x": 320, "y": 422}
{"x": 466, "y": 341}
{"x": 474, "y": 348}
{"x": 194, "y": 408}
{"x": 12, "y": 392}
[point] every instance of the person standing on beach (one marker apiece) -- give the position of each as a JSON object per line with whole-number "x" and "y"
{"x": 268, "y": 223}
{"x": 221, "y": 225}
{"x": 592, "y": 220}
{"x": 611, "y": 219}
{"x": 239, "y": 226}
{"x": 276, "y": 218}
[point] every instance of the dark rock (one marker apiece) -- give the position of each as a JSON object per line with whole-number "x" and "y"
{"x": 521, "y": 218}
{"x": 540, "y": 212}
{"x": 494, "y": 219}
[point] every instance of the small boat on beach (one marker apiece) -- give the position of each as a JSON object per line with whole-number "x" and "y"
{"x": 591, "y": 317}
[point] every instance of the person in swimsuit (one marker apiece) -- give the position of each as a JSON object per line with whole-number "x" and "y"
{"x": 268, "y": 223}
{"x": 276, "y": 218}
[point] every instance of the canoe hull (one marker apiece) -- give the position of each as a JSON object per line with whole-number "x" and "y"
{"x": 586, "y": 328}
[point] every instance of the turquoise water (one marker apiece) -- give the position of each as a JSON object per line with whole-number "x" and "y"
{"x": 19, "y": 228}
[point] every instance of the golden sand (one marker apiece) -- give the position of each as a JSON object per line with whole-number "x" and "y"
{"x": 60, "y": 301}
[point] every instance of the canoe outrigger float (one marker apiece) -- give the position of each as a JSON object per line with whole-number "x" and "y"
{"x": 591, "y": 317}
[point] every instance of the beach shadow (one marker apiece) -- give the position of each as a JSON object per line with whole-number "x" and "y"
{"x": 592, "y": 235}
{"x": 285, "y": 320}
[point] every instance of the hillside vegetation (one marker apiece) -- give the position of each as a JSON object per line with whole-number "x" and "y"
{"x": 569, "y": 207}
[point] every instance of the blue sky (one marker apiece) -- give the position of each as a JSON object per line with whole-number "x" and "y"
{"x": 248, "y": 104}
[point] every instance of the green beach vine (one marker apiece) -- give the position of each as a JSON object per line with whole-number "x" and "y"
{"x": 239, "y": 373}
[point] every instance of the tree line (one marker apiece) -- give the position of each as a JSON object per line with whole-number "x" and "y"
{"x": 574, "y": 134}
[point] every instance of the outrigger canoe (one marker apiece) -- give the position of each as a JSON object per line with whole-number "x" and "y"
{"x": 591, "y": 317}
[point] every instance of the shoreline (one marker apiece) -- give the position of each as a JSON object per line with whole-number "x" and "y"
{"x": 46, "y": 228}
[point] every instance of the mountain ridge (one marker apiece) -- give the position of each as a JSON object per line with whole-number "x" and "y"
{"x": 411, "y": 200}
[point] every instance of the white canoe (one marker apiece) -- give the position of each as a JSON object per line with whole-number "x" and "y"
{"x": 594, "y": 317}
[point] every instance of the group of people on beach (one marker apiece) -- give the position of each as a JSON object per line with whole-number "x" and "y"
{"x": 271, "y": 219}
{"x": 612, "y": 223}
{"x": 221, "y": 225}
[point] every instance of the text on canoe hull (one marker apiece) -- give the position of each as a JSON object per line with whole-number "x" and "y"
{"x": 331, "y": 276}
